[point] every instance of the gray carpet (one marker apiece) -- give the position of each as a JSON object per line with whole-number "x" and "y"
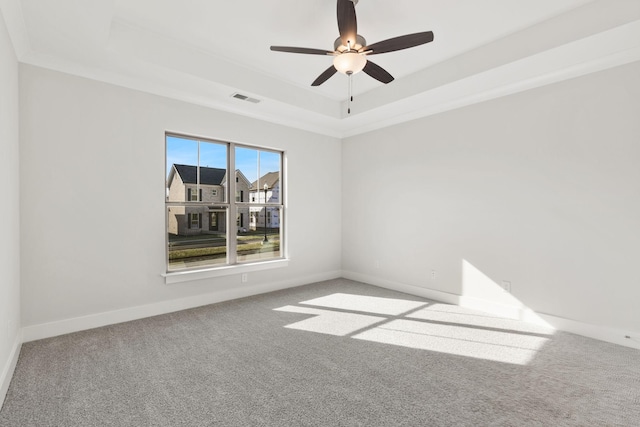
{"x": 336, "y": 353}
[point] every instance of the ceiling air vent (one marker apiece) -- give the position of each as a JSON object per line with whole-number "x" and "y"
{"x": 245, "y": 98}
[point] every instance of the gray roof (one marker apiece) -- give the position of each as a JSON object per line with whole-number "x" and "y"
{"x": 208, "y": 176}
{"x": 269, "y": 178}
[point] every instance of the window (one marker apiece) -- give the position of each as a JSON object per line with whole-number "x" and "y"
{"x": 193, "y": 194}
{"x": 195, "y": 221}
{"x": 201, "y": 232}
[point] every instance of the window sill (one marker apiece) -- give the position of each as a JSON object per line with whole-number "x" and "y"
{"x": 228, "y": 270}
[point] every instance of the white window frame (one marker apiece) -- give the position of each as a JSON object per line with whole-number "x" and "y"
{"x": 232, "y": 266}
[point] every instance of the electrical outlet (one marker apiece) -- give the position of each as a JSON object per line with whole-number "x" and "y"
{"x": 433, "y": 275}
{"x": 506, "y": 285}
{"x": 244, "y": 278}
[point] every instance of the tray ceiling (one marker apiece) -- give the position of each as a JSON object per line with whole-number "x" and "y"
{"x": 204, "y": 51}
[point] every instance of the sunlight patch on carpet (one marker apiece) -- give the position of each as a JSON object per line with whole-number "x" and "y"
{"x": 422, "y": 325}
{"x": 463, "y": 316}
{"x": 506, "y": 347}
{"x": 330, "y": 322}
{"x": 375, "y": 305}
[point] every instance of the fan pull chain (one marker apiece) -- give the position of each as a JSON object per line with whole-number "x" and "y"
{"x": 350, "y": 93}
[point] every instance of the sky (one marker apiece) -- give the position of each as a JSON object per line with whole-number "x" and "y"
{"x": 252, "y": 162}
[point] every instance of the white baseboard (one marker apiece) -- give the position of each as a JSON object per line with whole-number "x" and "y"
{"x": 9, "y": 368}
{"x": 602, "y": 333}
{"x": 61, "y": 327}
{"x": 51, "y": 329}
{"x": 502, "y": 310}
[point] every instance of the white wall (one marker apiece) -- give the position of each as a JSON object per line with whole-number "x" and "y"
{"x": 9, "y": 211}
{"x": 541, "y": 189}
{"x": 92, "y": 181}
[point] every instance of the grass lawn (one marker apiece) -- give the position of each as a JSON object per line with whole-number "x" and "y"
{"x": 250, "y": 242}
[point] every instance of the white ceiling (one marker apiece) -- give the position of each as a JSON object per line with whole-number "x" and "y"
{"x": 203, "y": 51}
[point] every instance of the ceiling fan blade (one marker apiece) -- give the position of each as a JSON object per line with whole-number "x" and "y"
{"x": 306, "y": 50}
{"x": 324, "y": 76}
{"x": 377, "y": 72}
{"x": 399, "y": 43}
{"x": 347, "y": 22}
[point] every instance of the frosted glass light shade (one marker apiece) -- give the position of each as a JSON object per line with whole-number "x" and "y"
{"x": 349, "y": 62}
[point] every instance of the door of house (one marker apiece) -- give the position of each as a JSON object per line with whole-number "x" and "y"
{"x": 213, "y": 221}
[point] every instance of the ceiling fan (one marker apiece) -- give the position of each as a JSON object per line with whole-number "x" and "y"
{"x": 351, "y": 50}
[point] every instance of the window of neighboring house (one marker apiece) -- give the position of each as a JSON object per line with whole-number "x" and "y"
{"x": 196, "y": 220}
{"x": 193, "y": 194}
{"x": 196, "y": 163}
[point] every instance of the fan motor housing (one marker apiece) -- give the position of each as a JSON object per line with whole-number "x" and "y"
{"x": 360, "y": 43}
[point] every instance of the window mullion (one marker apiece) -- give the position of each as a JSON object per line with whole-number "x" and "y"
{"x": 232, "y": 241}
{"x": 198, "y": 175}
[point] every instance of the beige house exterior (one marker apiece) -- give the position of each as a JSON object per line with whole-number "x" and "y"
{"x": 212, "y": 188}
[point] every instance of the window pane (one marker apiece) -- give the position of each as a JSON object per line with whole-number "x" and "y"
{"x": 196, "y": 236}
{"x": 248, "y": 172}
{"x": 213, "y": 171}
{"x": 270, "y": 175}
{"x": 259, "y": 167}
{"x": 257, "y": 241}
{"x": 196, "y": 171}
{"x": 181, "y": 153}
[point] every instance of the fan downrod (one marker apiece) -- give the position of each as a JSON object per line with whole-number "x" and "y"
{"x": 360, "y": 43}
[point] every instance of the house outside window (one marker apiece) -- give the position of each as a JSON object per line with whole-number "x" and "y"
{"x": 198, "y": 207}
{"x": 266, "y": 216}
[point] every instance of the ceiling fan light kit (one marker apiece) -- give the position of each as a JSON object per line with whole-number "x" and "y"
{"x": 349, "y": 62}
{"x": 351, "y": 50}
